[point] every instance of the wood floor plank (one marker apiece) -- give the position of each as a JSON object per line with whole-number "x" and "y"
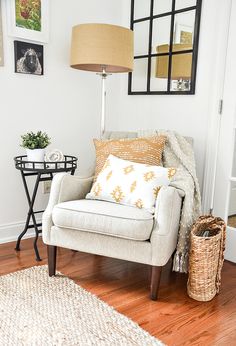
{"x": 175, "y": 318}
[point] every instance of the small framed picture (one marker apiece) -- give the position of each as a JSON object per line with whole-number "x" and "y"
{"x": 28, "y": 58}
{"x": 28, "y": 19}
{"x": 183, "y": 34}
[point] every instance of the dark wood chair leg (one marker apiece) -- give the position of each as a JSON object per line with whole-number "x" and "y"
{"x": 155, "y": 281}
{"x": 52, "y": 258}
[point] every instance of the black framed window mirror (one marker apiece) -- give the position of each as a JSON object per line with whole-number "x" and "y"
{"x": 166, "y": 35}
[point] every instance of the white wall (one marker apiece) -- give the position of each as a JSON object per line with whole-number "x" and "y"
{"x": 64, "y": 102}
{"x": 188, "y": 115}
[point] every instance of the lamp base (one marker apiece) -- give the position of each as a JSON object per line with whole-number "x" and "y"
{"x": 181, "y": 85}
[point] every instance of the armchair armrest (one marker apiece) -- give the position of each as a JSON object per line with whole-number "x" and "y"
{"x": 167, "y": 217}
{"x": 167, "y": 211}
{"x": 65, "y": 187}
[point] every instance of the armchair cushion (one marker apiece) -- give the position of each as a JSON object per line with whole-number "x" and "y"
{"x": 104, "y": 218}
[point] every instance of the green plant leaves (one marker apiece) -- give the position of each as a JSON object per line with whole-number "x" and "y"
{"x": 37, "y": 140}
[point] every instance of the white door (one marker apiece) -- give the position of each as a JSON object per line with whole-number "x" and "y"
{"x": 225, "y": 183}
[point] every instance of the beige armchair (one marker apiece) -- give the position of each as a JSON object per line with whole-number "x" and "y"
{"x": 109, "y": 229}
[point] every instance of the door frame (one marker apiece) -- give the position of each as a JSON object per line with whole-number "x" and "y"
{"x": 221, "y": 137}
{"x": 217, "y": 94}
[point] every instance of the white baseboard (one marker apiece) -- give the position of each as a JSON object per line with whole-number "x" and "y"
{"x": 10, "y": 231}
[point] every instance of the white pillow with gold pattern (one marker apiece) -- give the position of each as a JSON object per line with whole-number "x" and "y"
{"x": 129, "y": 183}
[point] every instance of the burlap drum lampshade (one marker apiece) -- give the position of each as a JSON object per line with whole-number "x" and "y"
{"x": 181, "y": 63}
{"x": 98, "y": 46}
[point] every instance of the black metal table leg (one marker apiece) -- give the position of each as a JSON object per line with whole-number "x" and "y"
{"x": 38, "y": 258}
{"x": 30, "y": 214}
{"x": 34, "y": 219}
{"x": 17, "y": 248}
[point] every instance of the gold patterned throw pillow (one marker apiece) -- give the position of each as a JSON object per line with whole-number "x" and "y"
{"x": 146, "y": 150}
{"x": 129, "y": 183}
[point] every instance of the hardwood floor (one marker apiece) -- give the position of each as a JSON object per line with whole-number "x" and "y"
{"x": 175, "y": 318}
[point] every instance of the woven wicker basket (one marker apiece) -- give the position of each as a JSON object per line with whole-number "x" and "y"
{"x": 206, "y": 258}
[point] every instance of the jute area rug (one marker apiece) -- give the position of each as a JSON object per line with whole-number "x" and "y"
{"x": 39, "y": 311}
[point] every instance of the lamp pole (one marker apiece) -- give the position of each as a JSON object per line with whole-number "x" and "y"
{"x": 103, "y": 75}
{"x": 104, "y": 92}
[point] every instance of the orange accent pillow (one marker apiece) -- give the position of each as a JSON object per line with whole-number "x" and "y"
{"x": 147, "y": 150}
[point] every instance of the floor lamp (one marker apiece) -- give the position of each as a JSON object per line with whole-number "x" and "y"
{"x": 102, "y": 48}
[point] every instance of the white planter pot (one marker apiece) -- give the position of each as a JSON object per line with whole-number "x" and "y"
{"x": 35, "y": 155}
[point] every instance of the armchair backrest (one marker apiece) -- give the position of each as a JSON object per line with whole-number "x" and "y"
{"x": 127, "y": 134}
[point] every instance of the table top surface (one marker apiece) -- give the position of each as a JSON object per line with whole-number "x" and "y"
{"x": 67, "y": 165}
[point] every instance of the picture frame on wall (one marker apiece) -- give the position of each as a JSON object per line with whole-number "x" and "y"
{"x": 183, "y": 34}
{"x": 29, "y": 58}
{"x": 1, "y": 39}
{"x": 28, "y": 19}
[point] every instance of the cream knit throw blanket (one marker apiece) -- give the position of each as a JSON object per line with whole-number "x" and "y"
{"x": 178, "y": 153}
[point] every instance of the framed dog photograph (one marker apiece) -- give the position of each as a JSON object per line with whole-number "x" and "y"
{"x": 28, "y": 58}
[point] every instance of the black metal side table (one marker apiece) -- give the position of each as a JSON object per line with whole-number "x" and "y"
{"x": 44, "y": 172}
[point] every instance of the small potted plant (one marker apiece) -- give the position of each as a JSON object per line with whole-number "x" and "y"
{"x": 35, "y": 144}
